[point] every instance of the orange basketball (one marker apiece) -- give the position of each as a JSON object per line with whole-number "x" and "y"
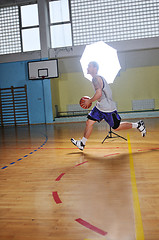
{"x": 82, "y": 101}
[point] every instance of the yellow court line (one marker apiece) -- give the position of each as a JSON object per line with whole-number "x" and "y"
{"x": 136, "y": 204}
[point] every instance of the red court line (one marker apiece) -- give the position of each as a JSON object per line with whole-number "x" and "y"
{"x": 62, "y": 174}
{"x": 22, "y": 147}
{"x": 59, "y": 177}
{"x": 85, "y": 148}
{"x": 147, "y": 149}
{"x": 80, "y": 164}
{"x": 111, "y": 154}
{"x": 56, "y": 197}
{"x": 90, "y": 226}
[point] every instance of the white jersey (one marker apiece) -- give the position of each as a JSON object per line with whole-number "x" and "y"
{"x": 105, "y": 103}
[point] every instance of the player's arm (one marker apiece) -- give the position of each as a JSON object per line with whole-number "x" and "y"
{"x": 98, "y": 85}
{"x": 97, "y": 95}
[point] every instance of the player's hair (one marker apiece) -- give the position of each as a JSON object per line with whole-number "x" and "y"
{"x": 95, "y": 65}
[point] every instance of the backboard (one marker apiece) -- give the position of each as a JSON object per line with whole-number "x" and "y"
{"x": 44, "y": 69}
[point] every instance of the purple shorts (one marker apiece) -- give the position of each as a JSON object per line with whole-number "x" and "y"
{"x": 112, "y": 118}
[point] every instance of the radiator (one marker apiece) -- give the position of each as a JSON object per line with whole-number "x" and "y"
{"x": 74, "y": 107}
{"x": 145, "y": 104}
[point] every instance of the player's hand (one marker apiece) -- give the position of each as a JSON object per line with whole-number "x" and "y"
{"x": 86, "y": 103}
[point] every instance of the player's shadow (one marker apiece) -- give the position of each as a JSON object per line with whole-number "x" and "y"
{"x": 76, "y": 153}
{"x": 118, "y": 157}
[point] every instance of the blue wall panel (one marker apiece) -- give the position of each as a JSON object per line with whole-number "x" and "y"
{"x": 39, "y": 92}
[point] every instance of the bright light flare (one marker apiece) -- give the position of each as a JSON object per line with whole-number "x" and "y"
{"x": 105, "y": 56}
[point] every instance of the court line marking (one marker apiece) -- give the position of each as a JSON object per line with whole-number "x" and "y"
{"x": 88, "y": 148}
{"x": 79, "y": 164}
{"x": 56, "y": 197}
{"x": 138, "y": 219}
{"x": 60, "y": 176}
{"x": 148, "y": 149}
{"x": 90, "y": 226}
{"x": 25, "y": 156}
{"x": 79, "y": 220}
{"x": 108, "y": 155}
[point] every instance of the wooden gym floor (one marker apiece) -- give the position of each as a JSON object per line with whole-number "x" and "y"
{"x": 49, "y": 190}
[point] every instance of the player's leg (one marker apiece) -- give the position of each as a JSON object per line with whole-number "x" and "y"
{"x": 138, "y": 125}
{"x": 124, "y": 126}
{"x": 87, "y": 132}
{"x": 88, "y": 128}
{"x": 118, "y": 125}
{"x": 93, "y": 117}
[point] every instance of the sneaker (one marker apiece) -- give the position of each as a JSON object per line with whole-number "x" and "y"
{"x": 78, "y": 143}
{"x": 141, "y": 128}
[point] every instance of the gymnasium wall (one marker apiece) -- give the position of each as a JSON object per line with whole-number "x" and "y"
{"x": 136, "y": 84}
{"x": 16, "y": 74}
{"x": 70, "y": 87}
{"x": 138, "y": 79}
{"x": 132, "y": 84}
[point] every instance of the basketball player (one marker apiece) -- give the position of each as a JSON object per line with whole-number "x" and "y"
{"x": 105, "y": 109}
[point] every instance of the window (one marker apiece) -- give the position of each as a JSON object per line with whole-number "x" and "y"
{"x": 113, "y": 20}
{"x": 60, "y": 24}
{"x": 18, "y": 32}
{"x": 10, "y": 41}
{"x": 30, "y": 28}
{"x": 78, "y": 22}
